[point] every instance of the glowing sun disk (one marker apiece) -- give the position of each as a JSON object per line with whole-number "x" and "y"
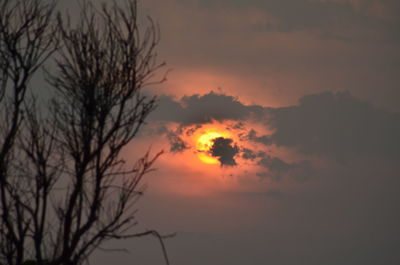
{"x": 204, "y": 143}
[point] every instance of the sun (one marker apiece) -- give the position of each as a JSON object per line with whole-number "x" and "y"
{"x": 204, "y": 143}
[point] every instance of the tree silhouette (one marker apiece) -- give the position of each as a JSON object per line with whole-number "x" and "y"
{"x": 64, "y": 188}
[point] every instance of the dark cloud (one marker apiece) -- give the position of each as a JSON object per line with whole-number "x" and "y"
{"x": 168, "y": 109}
{"x": 198, "y": 109}
{"x": 251, "y": 155}
{"x": 192, "y": 130}
{"x": 264, "y": 139}
{"x": 176, "y": 143}
{"x": 248, "y": 154}
{"x": 278, "y": 169}
{"x": 336, "y": 125}
{"x": 224, "y": 150}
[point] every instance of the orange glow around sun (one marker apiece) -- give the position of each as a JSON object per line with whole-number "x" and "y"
{"x": 204, "y": 143}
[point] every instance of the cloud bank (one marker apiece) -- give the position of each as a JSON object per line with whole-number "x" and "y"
{"x": 338, "y": 126}
{"x": 335, "y": 126}
{"x": 200, "y": 109}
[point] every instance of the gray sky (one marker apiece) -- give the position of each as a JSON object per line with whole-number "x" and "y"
{"x": 308, "y": 92}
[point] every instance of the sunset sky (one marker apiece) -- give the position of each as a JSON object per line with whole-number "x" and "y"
{"x": 280, "y": 122}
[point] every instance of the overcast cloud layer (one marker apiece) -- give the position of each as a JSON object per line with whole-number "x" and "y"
{"x": 322, "y": 78}
{"x": 273, "y": 52}
{"x": 334, "y": 125}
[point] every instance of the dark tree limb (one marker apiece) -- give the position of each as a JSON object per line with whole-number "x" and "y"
{"x": 64, "y": 187}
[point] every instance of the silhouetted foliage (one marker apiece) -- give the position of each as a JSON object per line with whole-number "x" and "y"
{"x": 64, "y": 188}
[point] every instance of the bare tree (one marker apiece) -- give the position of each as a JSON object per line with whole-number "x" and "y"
{"x": 64, "y": 187}
{"x": 25, "y": 43}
